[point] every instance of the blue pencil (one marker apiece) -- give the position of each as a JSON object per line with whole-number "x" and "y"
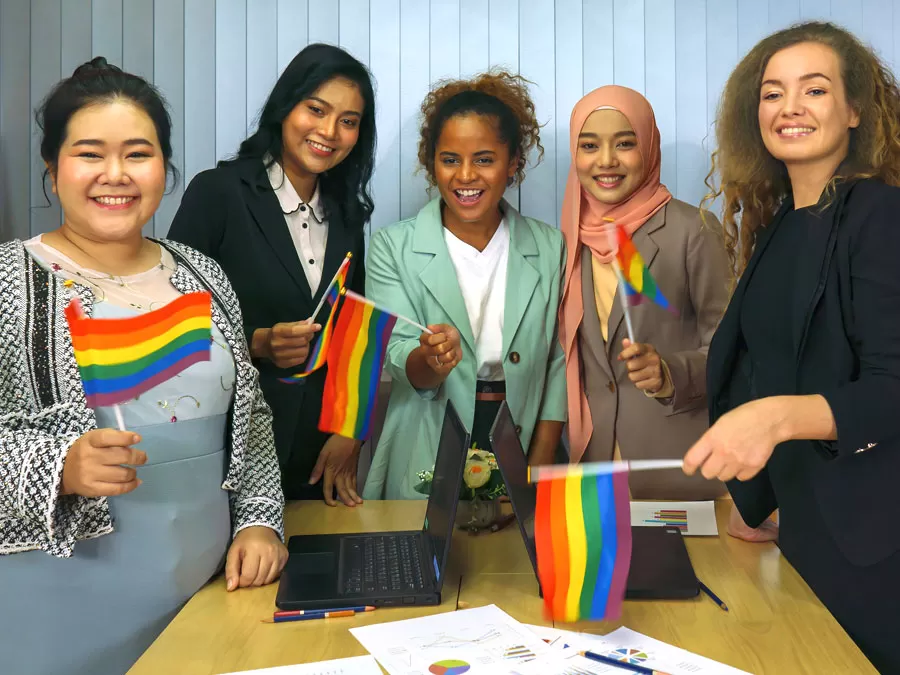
{"x": 715, "y": 598}
{"x": 600, "y": 658}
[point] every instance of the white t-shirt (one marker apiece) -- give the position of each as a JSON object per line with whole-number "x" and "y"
{"x": 482, "y": 281}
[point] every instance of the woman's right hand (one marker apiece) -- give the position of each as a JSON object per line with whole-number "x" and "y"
{"x": 94, "y": 464}
{"x": 441, "y": 349}
{"x": 285, "y": 344}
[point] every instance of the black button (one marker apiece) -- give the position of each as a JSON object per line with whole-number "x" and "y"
{"x": 487, "y": 389}
{"x": 312, "y": 262}
{"x": 514, "y": 357}
{"x": 305, "y": 226}
{"x": 518, "y": 430}
{"x": 302, "y": 208}
{"x": 611, "y": 386}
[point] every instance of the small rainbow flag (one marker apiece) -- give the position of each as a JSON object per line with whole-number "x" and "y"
{"x": 582, "y": 533}
{"x": 639, "y": 284}
{"x": 120, "y": 359}
{"x": 319, "y": 354}
{"x": 359, "y": 345}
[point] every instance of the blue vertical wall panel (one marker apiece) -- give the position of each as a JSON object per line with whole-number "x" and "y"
{"x": 137, "y": 37}
{"x": 628, "y": 31}
{"x": 569, "y": 83}
{"x": 537, "y": 196}
{"x": 262, "y": 56}
{"x": 661, "y": 90}
{"x": 848, "y": 13}
{"x": 878, "y": 27}
{"x": 414, "y": 81}
{"x": 231, "y": 75}
{"x": 45, "y": 72}
{"x": 815, "y": 10}
{"x": 503, "y": 50}
{"x": 15, "y": 120}
{"x": 783, "y": 13}
{"x": 106, "y": 30}
{"x": 355, "y": 28}
{"x": 384, "y": 62}
{"x": 445, "y": 38}
{"x": 324, "y": 21}
{"x": 75, "y": 40}
{"x": 473, "y": 25}
{"x": 692, "y": 147}
{"x": 598, "y": 51}
{"x": 753, "y": 24}
{"x": 199, "y": 87}
{"x": 292, "y": 31}
{"x": 169, "y": 72}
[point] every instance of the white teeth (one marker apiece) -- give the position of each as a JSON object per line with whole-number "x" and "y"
{"x": 792, "y": 131}
{"x": 609, "y": 180}
{"x": 469, "y": 193}
{"x": 113, "y": 201}
{"x": 319, "y": 146}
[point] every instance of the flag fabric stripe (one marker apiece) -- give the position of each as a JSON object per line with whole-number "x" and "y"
{"x": 583, "y": 541}
{"x": 354, "y": 365}
{"x": 119, "y": 359}
{"x": 380, "y": 338}
{"x": 640, "y": 285}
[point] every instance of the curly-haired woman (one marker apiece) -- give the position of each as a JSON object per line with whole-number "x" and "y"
{"x": 485, "y": 279}
{"x": 804, "y": 370}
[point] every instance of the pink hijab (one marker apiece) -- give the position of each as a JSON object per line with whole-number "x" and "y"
{"x": 582, "y": 225}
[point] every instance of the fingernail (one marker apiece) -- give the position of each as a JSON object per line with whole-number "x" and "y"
{"x": 139, "y": 482}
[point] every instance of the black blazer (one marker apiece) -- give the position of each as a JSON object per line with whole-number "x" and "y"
{"x": 231, "y": 214}
{"x": 847, "y": 348}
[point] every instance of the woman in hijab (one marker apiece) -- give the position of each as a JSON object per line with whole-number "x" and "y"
{"x": 645, "y": 399}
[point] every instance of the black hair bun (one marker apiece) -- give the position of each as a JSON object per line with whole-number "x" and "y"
{"x": 96, "y": 65}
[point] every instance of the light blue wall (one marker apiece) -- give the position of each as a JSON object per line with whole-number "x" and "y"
{"x": 215, "y": 61}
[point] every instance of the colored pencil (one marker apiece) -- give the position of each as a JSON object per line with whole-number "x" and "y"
{"x": 715, "y": 598}
{"x": 301, "y": 612}
{"x": 600, "y": 658}
{"x": 310, "y": 617}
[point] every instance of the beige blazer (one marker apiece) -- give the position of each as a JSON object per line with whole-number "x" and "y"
{"x": 688, "y": 262}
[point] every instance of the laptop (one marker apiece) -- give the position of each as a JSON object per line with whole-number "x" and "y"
{"x": 382, "y": 568}
{"x": 660, "y": 565}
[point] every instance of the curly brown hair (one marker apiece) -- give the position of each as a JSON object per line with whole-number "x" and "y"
{"x": 496, "y": 93}
{"x": 753, "y": 182}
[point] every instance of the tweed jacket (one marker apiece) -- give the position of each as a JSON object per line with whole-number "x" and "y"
{"x": 43, "y": 409}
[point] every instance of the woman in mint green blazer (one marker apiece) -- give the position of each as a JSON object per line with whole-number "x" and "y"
{"x": 486, "y": 280}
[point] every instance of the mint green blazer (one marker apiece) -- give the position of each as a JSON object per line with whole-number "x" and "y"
{"x": 409, "y": 271}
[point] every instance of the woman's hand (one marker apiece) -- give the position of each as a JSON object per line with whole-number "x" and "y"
{"x": 285, "y": 344}
{"x": 255, "y": 558}
{"x": 441, "y": 350}
{"x": 338, "y": 463}
{"x": 739, "y": 444}
{"x": 94, "y": 464}
{"x": 644, "y": 366}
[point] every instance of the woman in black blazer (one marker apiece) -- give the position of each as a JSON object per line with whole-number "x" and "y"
{"x": 280, "y": 218}
{"x": 804, "y": 370}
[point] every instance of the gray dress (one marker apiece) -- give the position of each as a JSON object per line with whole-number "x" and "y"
{"x": 96, "y": 612}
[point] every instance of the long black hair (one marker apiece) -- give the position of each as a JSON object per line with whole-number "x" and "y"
{"x": 347, "y": 184}
{"x": 100, "y": 82}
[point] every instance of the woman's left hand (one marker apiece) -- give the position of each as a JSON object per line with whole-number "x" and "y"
{"x": 255, "y": 558}
{"x": 644, "y": 366}
{"x": 738, "y": 445}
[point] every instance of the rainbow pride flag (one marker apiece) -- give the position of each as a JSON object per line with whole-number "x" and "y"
{"x": 358, "y": 347}
{"x": 582, "y": 535}
{"x": 120, "y": 359}
{"x": 639, "y": 284}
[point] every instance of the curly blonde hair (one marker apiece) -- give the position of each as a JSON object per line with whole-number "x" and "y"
{"x": 496, "y": 93}
{"x": 753, "y": 182}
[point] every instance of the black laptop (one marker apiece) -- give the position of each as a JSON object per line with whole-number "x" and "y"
{"x": 382, "y": 568}
{"x": 660, "y": 565}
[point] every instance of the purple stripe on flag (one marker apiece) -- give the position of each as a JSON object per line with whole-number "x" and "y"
{"x": 623, "y": 546}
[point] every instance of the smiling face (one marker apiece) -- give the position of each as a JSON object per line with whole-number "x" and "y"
{"x": 608, "y": 161}
{"x": 472, "y": 168}
{"x": 804, "y": 115}
{"x": 321, "y": 130}
{"x": 110, "y": 175}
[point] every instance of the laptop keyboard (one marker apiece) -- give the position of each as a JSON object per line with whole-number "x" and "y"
{"x": 382, "y": 564}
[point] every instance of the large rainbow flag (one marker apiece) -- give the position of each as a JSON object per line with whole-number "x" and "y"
{"x": 358, "y": 347}
{"x": 582, "y": 534}
{"x": 319, "y": 354}
{"x": 639, "y": 284}
{"x": 120, "y": 359}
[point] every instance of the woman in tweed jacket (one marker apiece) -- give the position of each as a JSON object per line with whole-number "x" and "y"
{"x": 105, "y": 533}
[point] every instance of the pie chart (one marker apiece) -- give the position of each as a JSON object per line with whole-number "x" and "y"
{"x": 449, "y": 667}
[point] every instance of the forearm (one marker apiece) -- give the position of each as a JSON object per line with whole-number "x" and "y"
{"x": 259, "y": 343}
{"x": 544, "y": 442}
{"x": 420, "y": 374}
{"x": 802, "y": 418}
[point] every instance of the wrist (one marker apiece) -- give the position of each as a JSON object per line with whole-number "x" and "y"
{"x": 259, "y": 346}
{"x": 778, "y": 410}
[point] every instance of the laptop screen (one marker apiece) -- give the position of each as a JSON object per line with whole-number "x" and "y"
{"x": 514, "y": 469}
{"x": 440, "y": 514}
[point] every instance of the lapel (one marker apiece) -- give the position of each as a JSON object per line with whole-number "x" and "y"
{"x": 521, "y": 275}
{"x": 266, "y": 211}
{"x": 648, "y": 248}
{"x": 438, "y": 275}
{"x": 591, "y": 319}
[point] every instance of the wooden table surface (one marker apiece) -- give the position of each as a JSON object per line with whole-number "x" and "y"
{"x": 775, "y": 624}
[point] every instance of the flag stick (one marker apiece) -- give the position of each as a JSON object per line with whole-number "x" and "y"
{"x": 620, "y": 275}
{"x": 358, "y": 297}
{"x": 318, "y": 308}
{"x": 549, "y": 472}
{"x": 118, "y": 411}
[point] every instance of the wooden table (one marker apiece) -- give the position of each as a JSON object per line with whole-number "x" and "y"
{"x": 776, "y": 625}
